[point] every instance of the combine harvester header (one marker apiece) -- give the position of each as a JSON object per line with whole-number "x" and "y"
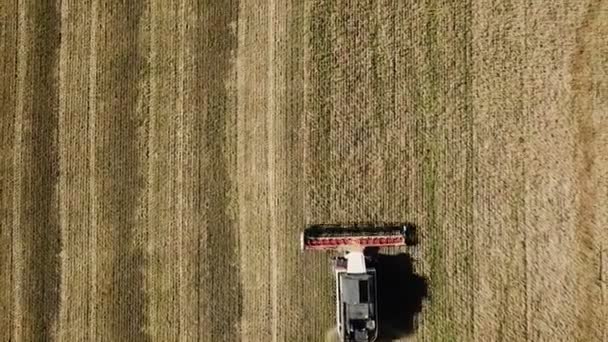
{"x": 323, "y": 237}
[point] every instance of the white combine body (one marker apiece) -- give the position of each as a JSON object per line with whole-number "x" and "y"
{"x": 356, "y": 305}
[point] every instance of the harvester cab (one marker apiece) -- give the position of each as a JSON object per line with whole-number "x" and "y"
{"x": 356, "y": 294}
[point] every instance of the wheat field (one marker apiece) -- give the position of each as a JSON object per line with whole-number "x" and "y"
{"x": 159, "y": 159}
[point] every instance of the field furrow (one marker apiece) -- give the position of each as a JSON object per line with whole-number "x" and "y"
{"x": 255, "y": 174}
{"x": 163, "y": 175}
{"x": 8, "y": 122}
{"x": 74, "y": 171}
{"x": 36, "y": 228}
{"x": 121, "y": 155}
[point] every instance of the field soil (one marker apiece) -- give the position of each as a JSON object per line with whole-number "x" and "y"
{"x": 159, "y": 159}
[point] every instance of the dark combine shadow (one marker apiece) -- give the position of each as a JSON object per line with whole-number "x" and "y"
{"x": 411, "y": 235}
{"x": 401, "y": 293}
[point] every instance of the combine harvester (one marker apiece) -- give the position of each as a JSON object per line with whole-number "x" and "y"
{"x": 356, "y": 297}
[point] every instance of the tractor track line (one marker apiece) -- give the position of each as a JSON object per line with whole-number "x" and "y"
{"x": 8, "y": 72}
{"x": 180, "y": 169}
{"x": 92, "y": 171}
{"x": 271, "y": 159}
{"x": 17, "y": 163}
